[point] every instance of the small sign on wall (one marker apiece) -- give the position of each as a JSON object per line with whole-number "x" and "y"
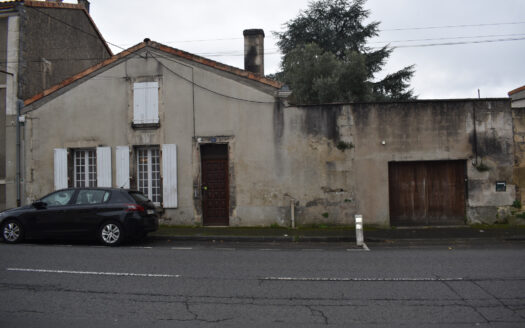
{"x": 501, "y": 186}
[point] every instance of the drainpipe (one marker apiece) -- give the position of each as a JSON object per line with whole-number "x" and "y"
{"x": 19, "y": 106}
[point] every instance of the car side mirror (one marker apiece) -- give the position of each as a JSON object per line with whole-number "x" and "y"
{"x": 39, "y": 204}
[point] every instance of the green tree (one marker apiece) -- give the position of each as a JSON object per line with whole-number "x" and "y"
{"x": 326, "y": 59}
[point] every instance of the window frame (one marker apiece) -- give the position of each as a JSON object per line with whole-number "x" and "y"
{"x": 89, "y": 168}
{"x": 149, "y": 171}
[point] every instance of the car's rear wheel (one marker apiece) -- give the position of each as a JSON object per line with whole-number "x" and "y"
{"x": 111, "y": 233}
{"x": 12, "y": 231}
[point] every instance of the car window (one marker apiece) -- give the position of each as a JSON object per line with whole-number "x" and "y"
{"x": 58, "y": 198}
{"x": 92, "y": 197}
{"x": 139, "y": 197}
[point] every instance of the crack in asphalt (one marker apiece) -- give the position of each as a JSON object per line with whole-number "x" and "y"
{"x": 499, "y": 300}
{"x": 318, "y": 313}
{"x": 465, "y": 301}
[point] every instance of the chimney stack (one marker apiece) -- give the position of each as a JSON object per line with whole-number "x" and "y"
{"x": 254, "y": 51}
{"x": 85, "y": 3}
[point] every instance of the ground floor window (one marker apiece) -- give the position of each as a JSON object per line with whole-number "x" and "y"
{"x": 148, "y": 173}
{"x": 85, "y": 168}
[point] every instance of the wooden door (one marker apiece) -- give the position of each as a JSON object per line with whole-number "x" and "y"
{"x": 215, "y": 190}
{"x": 427, "y": 192}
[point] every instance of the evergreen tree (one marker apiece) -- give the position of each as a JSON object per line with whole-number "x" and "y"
{"x": 326, "y": 59}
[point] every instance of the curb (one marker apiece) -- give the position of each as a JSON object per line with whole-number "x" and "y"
{"x": 290, "y": 239}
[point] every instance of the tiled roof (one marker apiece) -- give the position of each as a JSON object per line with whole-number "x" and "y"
{"x": 161, "y": 47}
{"x": 516, "y": 90}
{"x": 58, "y": 5}
{"x": 29, "y": 3}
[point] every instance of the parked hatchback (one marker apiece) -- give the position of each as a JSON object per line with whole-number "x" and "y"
{"x": 109, "y": 214}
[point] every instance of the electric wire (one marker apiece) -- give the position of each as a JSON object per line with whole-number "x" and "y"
{"x": 75, "y": 27}
{"x": 449, "y": 26}
{"x": 200, "y": 86}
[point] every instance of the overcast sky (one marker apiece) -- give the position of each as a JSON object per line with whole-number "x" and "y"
{"x": 213, "y": 29}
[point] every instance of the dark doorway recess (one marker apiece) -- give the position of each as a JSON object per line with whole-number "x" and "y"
{"x": 215, "y": 190}
{"x": 427, "y": 193}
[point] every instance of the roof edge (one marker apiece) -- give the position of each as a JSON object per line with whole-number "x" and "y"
{"x": 215, "y": 64}
{"x": 83, "y": 74}
{"x": 516, "y": 90}
{"x": 161, "y": 47}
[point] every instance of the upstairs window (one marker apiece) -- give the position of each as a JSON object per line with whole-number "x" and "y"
{"x": 145, "y": 103}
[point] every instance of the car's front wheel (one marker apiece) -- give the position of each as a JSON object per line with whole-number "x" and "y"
{"x": 111, "y": 233}
{"x": 12, "y": 231}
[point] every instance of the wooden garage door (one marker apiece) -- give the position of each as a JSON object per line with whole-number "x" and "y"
{"x": 427, "y": 193}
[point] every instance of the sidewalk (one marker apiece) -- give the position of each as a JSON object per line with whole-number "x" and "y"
{"x": 338, "y": 234}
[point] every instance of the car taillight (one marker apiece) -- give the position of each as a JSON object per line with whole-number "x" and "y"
{"x": 135, "y": 208}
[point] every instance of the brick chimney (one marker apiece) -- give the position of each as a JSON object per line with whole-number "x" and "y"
{"x": 254, "y": 51}
{"x": 85, "y": 3}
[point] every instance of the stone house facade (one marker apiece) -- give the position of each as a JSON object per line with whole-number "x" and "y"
{"x": 211, "y": 144}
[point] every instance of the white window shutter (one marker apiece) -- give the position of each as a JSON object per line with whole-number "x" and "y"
{"x": 60, "y": 164}
{"x": 103, "y": 166}
{"x": 145, "y": 102}
{"x": 169, "y": 176}
{"x": 139, "y": 103}
{"x": 152, "y": 102}
{"x": 122, "y": 163}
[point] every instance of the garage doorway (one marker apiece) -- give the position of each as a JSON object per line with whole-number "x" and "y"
{"x": 215, "y": 187}
{"x": 427, "y": 193}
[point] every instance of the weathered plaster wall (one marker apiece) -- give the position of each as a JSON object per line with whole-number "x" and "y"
{"x": 518, "y": 118}
{"x": 332, "y": 185}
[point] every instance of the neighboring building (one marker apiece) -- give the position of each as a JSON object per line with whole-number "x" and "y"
{"x": 215, "y": 145}
{"x": 517, "y": 98}
{"x": 41, "y": 44}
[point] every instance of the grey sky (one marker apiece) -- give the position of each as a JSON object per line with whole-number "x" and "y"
{"x": 213, "y": 29}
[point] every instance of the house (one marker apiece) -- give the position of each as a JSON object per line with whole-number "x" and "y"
{"x": 212, "y": 144}
{"x": 41, "y": 44}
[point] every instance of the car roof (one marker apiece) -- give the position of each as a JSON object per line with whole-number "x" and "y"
{"x": 99, "y": 188}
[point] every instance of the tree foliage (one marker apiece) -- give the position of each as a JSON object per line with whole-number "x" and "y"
{"x": 326, "y": 59}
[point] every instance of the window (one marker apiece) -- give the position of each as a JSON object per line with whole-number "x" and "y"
{"x": 148, "y": 173}
{"x": 59, "y": 198}
{"x": 145, "y": 103}
{"x": 92, "y": 197}
{"x": 85, "y": 168}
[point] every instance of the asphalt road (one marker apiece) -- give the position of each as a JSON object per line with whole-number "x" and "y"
{"x": 162, "y": 284}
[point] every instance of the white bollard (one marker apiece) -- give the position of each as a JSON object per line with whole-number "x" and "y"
{"x": 359, "y": 239}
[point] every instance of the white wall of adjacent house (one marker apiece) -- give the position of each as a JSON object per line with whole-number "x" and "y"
{"x": 13, "y": 41}
{"x": 11, "y": 93}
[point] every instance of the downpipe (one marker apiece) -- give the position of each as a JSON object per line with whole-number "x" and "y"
{"x": 19, "y": 106}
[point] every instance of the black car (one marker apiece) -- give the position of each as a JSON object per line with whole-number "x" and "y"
{"x": 109, "y": 214}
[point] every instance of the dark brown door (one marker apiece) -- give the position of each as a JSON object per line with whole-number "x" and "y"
{"x": 215, "y": 191}
{"x": 427, "y": 193}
